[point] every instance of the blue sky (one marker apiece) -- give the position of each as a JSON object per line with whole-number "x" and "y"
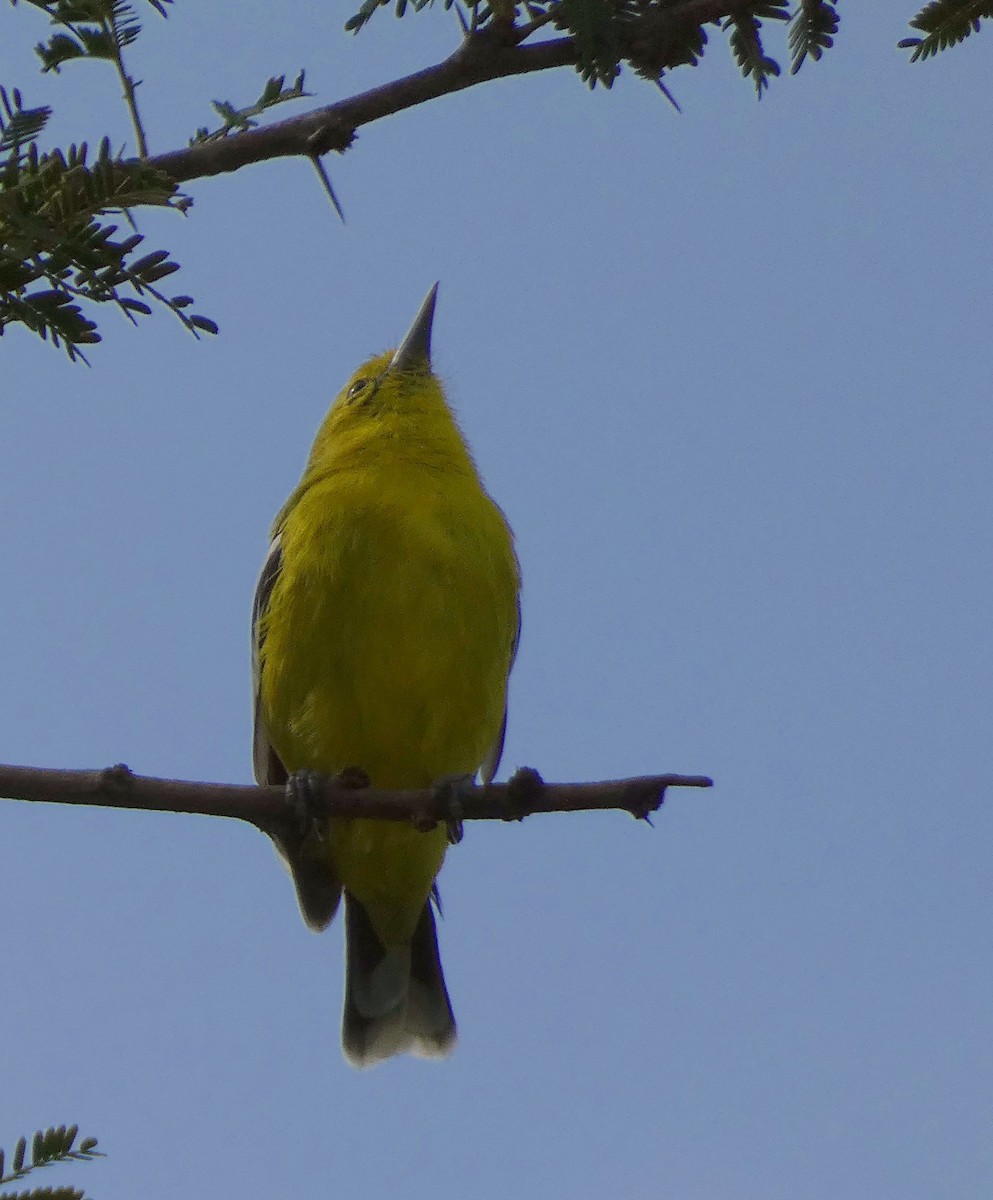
{"x": 728, "y": 375}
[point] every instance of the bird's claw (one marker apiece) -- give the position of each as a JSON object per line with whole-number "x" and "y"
{"x": 304, "y": 792}
{"x": 450, "y": 792}
{"x": 305, "y": 797}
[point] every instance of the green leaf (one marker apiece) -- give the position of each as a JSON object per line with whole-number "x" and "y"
{"x": 945, "y": 23}
{"x": 204, "y": 323}
{"x": 19, "y": 125}
{"x": 746, "y": 44}
{"x": 59, "y": 49}
{"x": 369, "y": 7}
{"x": 99, "y": 43}
{"x": 51, "y": 207}
{"x": 596, "y": 28}
{"x": 94, "y": 29}
{"x": 237, "y": 120}
{"x": 812, "y": 31}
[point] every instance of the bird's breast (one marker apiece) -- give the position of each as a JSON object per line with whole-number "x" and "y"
{"x": 389, "y": 631}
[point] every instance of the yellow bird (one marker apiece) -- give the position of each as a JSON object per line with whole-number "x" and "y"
{"x": 385, "y": 625}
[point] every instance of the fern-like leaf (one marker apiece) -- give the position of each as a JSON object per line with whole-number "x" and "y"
{"x": 58, "y": 1193}
{"x": 47, "y": 1147}
{"x": 56, "y": 254}
{"x": 595, "y": 28}
{"x": 237, "y": 120}
{"x": 368, "y": 9}
{"x": 18, "y": 125}
{"x": 945, "y": 23}
{"x": 746, "y": 43}
{"x": 124, "y": 23}
{"x": 94, "y": 29}
{"x": 365, "y": 13}
{"x": 812, "y": 31}
{"x": 653, "y": 58}
{"x": 60, "y": 48}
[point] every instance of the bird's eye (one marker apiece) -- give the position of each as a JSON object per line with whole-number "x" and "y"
{"x": 357, "y": 386}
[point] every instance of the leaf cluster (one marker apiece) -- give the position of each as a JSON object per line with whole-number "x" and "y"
{"x": 47, "y": 1147}
{"x": 652, "y": 37}
{"x": 57, "y": 255}
{"x": 99, "y": 29}
{"x": 945, "y": 23}
{"x": 237, "y": 120}
{"x": 55, "y": 252}
{"x": 812, "y": 31}
{"x": 368, "y": 7}
{"x": 745, "y": 31}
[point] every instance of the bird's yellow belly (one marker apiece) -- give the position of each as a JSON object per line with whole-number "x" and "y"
{"x": 394, "y": 659}
{"x": 390, "y": 867}
{"x": 408, "y": 716}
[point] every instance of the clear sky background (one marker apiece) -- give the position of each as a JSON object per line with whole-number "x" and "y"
{"x": 728, "y": 373}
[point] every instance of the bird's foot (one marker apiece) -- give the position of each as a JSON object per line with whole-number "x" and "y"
{"x": 305, "y": 797}
{"x": 451, "y": 791}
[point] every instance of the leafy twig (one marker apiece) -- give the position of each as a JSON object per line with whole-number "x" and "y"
{"x": 945, "y": 23}
{"x": 51, "y": 234}
{"x": 48, "y": 1147}
{"x": 812, "y": 31}
{"x": 96, "y": 30}
{"x": 238, "y": 120}
{"x": 121, "y": 29}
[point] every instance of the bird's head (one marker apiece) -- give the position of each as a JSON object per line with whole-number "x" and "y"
{"x": 393, "y": 401}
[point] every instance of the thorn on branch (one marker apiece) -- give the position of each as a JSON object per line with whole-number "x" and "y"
{"x": 326, "y": 181}
{"x": 331, "y": 136}
{"x": 646, "y": 797}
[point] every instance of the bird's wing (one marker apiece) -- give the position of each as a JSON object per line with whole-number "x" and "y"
{"x": 318, "y": 890}
{"x": 492, "y": 759}
{"x": 268, "y": 768}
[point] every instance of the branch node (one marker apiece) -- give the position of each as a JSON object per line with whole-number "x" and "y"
{"x": 117, "y": 780}
{"x": 524, "y": 789}
{"x": 646, "y": 797}
{"x": 330, "y": 135}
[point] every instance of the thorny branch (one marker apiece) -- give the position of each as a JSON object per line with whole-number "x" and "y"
{"x": 524, "y": 794}
{"x": 493, "y": 52}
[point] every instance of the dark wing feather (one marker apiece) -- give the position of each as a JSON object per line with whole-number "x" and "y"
{"x": 268, "y": 768}
{"x": 492, "y": 759}
{"x": 318, "y": 891}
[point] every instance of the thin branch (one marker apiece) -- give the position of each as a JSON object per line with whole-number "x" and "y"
{"x": 112, "y": 33}
{"x": 266, "y": 807}
{"x": 478, "y": 59}
{"x": 484, "y": 55}
{"x": 523, "y": 32}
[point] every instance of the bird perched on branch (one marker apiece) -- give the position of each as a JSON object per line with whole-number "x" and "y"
{"x": 385, "y": 625}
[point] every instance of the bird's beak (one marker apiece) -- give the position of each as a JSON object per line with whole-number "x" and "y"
{"x": 414, "y": 352}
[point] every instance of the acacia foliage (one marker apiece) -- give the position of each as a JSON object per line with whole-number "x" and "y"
{"x": 60, "y": 256}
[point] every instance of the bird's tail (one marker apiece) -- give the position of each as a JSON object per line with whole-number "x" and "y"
{"x": 395, "y": 996}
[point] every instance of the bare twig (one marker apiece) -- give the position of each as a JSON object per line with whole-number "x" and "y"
{"x": 526, "y": 793}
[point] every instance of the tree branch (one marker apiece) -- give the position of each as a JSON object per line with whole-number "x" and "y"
{"x": 478, "y": 59}
{"x": 493, "y": 52}
{"x": 266, "y": 807}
